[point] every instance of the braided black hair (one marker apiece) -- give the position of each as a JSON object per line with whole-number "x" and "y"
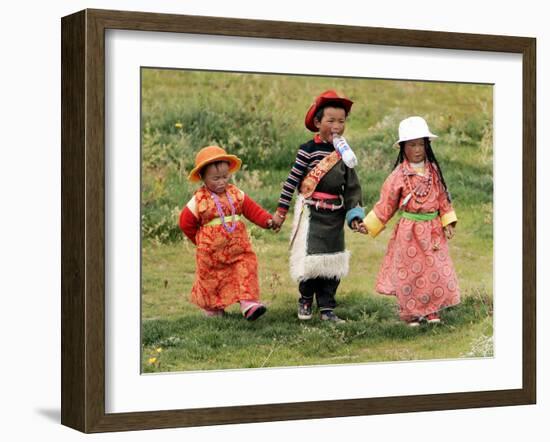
{"x": 430, "y": 156}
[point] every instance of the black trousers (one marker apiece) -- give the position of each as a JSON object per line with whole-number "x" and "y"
{"x": 324, "y": 289}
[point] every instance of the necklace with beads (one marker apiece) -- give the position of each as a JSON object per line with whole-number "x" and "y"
{"x": 219, "y": 208}
{"x": 422, "y": 190}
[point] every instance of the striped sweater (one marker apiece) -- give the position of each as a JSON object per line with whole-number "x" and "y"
{"x": 308, "y": 156}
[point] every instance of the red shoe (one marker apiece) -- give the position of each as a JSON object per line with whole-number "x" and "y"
{"x": 433, "y": 318}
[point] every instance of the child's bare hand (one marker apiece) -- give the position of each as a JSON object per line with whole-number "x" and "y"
{"x": 271, "y": 225}
{"x": 277, "y": 221}
{"x": 449, "y": 231}
{"x": 359, "y": 226}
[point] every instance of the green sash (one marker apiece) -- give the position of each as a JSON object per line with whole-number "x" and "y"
{"x": 420, "y": 216}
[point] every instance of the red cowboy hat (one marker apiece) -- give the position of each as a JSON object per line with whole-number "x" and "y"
{"x": 325, "y": 97}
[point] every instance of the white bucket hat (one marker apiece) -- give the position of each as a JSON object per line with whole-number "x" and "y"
{"x": 412, "y": 128}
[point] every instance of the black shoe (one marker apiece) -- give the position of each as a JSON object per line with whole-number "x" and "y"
{"x": 328, "y": 315}
{"x": 304, "y": 311}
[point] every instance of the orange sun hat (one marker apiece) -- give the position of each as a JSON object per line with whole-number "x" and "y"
{"x": 211, "y": 154}
{"x": 329, "y": 96}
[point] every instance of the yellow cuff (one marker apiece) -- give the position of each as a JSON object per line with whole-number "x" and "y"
{"x": 448, "y": 218}
{"x": 373, "y": 223}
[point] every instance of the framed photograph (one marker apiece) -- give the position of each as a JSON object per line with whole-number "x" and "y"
{"x": 143, "y": 93}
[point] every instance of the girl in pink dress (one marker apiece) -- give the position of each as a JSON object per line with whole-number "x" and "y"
{"x": 417, "y": 268}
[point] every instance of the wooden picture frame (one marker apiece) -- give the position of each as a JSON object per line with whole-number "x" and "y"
{"x": 83, "y": 220}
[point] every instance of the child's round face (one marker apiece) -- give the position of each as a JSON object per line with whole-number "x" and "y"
{"x": 332, "y": 122}
{"x": 415, "y": 151}
{"x": 216, "y": 177}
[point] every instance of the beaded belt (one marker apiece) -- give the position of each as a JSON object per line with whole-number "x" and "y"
{"x": 318, "y": 201}
{"x": 420, "y": 216}
{"x": 218, "y": 221}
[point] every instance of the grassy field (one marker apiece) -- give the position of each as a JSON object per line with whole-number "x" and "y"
{"x": 252, "y": 116}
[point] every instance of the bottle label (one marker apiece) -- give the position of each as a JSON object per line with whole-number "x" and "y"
{"x": 348, "y": 157}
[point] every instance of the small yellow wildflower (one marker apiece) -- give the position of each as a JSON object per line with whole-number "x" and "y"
{"x": 159, "y": 350}
{"x": 152, "y": 360}
{"x": 178, "y": 125}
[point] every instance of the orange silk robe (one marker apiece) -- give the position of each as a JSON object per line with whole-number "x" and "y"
{"x": 226, "y": 266}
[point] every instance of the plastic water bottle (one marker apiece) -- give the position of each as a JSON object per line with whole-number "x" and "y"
{"x": 348, "y": 157}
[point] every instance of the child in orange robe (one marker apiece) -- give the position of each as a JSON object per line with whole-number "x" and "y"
{"x": 226, "y": 265}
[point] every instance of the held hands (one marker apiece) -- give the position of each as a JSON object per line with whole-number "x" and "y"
{"x": 277, "y": 221}
{"x": 357, "y": 225}
{"x": 449, "y": 231}
{"x": 271, "y": 225}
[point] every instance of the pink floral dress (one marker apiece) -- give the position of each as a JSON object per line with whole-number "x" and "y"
{"x": 417, "y": 268}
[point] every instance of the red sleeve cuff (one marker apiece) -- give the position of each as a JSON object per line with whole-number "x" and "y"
{"x": 282, "y": 210}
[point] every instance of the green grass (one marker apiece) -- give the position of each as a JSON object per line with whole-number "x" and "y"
{"x": 373, "y": 332}
{"x": 260, "y": 119}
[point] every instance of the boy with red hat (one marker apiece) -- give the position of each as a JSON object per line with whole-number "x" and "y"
{"x": 329, "y": 195}
{"x": 226, "y": 266}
